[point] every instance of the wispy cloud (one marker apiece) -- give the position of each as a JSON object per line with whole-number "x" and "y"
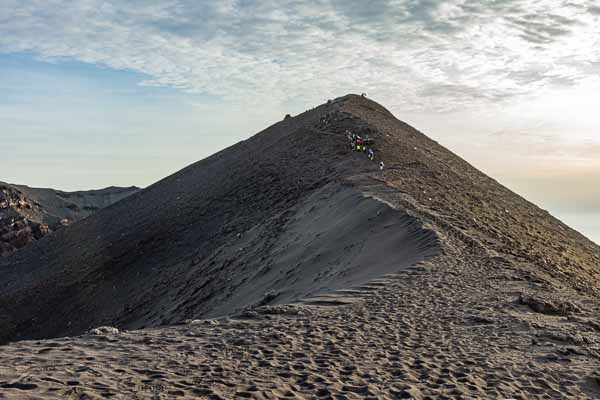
{"x": 434, "y": 55}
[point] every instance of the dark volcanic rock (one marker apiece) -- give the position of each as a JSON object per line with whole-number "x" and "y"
{"x": 28, "y": 214}
{"x": 551, "y": 306}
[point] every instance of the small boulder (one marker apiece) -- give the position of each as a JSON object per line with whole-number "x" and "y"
{"x": 201, "y": 321}
{"x": 104, "y": 330}
{"x": 249, "y": 314}
{"x": 548, "y": 306}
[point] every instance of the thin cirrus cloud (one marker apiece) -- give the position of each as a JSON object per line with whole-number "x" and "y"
{"x": 440, "y": 56}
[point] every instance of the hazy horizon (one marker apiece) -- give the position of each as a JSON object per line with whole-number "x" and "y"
{"x": 96, "y": 94}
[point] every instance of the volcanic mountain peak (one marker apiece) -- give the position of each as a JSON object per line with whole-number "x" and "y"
{"x": 286, "y": 215}
{"x": 323, "y": 274}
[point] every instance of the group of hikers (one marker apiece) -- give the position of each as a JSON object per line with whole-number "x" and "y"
{"x": 361, "y": 144}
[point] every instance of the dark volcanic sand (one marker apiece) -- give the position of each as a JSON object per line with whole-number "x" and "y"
{"x": 426, "y": 280}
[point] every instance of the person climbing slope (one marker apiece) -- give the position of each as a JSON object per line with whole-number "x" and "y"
{"x": 361, "y": 144}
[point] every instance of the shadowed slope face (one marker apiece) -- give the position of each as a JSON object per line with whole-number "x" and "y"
{"x": 270, "y": 219}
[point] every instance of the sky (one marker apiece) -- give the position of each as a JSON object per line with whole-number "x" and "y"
{"x": 96, "y": 93}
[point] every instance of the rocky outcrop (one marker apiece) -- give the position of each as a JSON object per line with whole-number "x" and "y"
{"x": 550, "y": 306}
{"x": 17, "y": 234}
{"x": 28, "y": 214}
{"x": 16, "y": 227}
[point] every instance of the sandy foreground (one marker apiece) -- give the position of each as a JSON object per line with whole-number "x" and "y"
{"x": 438, "y": 330}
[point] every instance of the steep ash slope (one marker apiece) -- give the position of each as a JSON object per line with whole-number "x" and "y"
{"x": 227, "y": 232}
{"x": 466, "y": 204}
{"x": 27, "y": 214}
{"x": 279, "y": 217}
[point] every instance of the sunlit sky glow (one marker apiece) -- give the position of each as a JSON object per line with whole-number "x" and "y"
{"x": 97, "y": 93}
